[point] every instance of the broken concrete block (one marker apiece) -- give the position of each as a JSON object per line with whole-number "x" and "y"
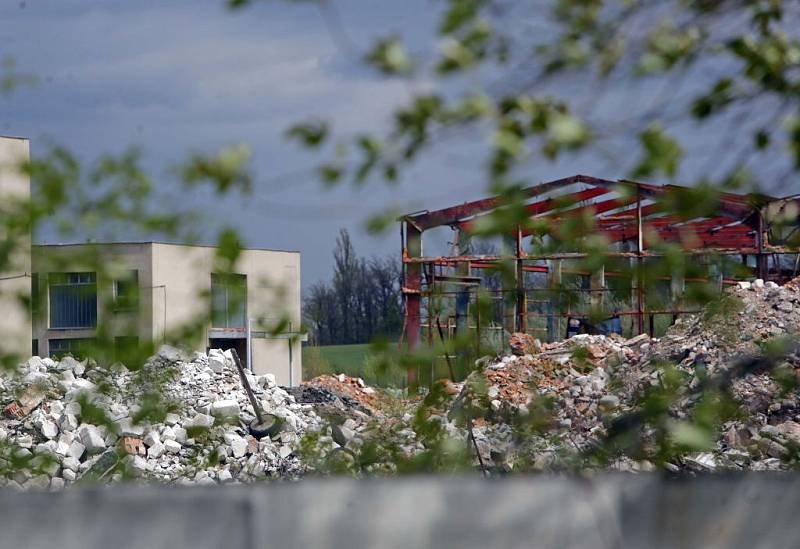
{"x": 155, "y": 451}
{"x": 237, "y": 444}
{"x": 25, "y": 441}
{"x": 152, "y": 438}
{"x": 49, "y": 429}
{"x": 608, "y": 402}
{"x": 136, "y": 465}
{"x": 224, "y": 476}
{"x": 170, "y": 353}
{"x": 216, "y": 363}
{"x": 180, "y": 434}
{"x": 172, "y": 446}
{"x": 67, "y": 363}
{"x": 199, "y": 421}
{"x": 84, "y": 385}
{"x": 225, "y": 409}
{"x": 76, "y": 450}
{"x": 91, "y": 438}
{"x": 36, "y": 364}
{"x": 69, "y": 475}
{"x": 72, "y": 408}
{"x": 168, "y": 433}
{"x": 67, "y": 423}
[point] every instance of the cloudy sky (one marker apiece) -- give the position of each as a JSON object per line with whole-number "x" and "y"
{"x": 185, "y": 75}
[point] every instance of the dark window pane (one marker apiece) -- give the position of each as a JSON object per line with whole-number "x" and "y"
{"x": 126, "y": 292}
{"x": 76, "y": 347}
{"x": 73, "y": 300}
{"x": 228, "y": 301}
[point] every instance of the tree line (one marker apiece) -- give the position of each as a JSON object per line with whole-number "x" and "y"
{"x": 362, "y": 300}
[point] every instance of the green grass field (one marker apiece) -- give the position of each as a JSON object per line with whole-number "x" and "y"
{"x": 360, "y": 361}
{"x": 353, "y": 360}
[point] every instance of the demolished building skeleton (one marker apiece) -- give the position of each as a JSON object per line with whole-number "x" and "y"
{"x": 738, "y": 228}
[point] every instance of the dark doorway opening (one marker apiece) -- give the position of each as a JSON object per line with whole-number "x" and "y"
{"x": 240, "y": 344}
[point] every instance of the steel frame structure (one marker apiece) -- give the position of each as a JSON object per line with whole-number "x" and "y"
{"x": 623, "y": 211}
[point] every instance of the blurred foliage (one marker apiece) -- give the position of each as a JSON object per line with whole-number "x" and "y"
{"x": 752, "y": 44}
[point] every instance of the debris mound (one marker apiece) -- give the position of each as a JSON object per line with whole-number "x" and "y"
{"x": 590, "y": 380}
{"x": 51, "y": 421}
{"x": 350, "y": 389}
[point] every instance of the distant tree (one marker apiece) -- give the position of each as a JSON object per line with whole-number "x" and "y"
{"x": 361, "y": 301}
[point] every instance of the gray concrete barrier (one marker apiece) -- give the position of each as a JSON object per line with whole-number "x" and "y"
{"x": 605, "y": 512}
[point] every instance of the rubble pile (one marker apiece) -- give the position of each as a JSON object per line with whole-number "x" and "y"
{"x": 573, "y": 375}
{"x": 583, "y": 385}
{"x": 592, "y": 379}
{"x": 766, "y": 436}
{"x": 353, "y": 389}
{"x": 203, "y": 438}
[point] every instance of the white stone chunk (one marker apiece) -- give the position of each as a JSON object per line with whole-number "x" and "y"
{"x": 225, "y": 409}
{"x": 199, "y": 420}
{"x": 91, "y": 438}
{"x": 172, "y": 446}
{"x": 76, "y": 450}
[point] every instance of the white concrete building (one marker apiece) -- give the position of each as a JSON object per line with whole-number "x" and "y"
{"x": 158, "y": 288}
{"x": 15, "y": 284}
{"x": 153, "y": 290}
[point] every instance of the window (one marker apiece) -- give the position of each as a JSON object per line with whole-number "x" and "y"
{"x": 73, "y": 300}
{"x": 35, "y": 347}
{"x": 126, "y": 292}
{"x": 76, "y": 347}
{"x": 228, "y": 301}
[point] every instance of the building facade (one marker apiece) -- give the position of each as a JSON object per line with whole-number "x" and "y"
{"x": 150, "y": 290}
{"x": 52, "y": 300}
{"x": 15, "y": 267}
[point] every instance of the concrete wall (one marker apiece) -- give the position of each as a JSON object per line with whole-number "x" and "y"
{"x": 273, "y": 290}
{"x": 616, "y": 511}
{"x": 172, "y": 280}
{"x": 15, "y": 282}
{"x": 117, "y": 258}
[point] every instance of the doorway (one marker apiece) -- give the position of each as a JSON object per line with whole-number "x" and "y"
{"x": 238, "y": 343}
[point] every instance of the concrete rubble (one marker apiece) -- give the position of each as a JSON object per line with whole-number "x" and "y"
{"x": 581, "y": 386}
{"x": 593, "y": 379}
{"x": 204, "y": 439}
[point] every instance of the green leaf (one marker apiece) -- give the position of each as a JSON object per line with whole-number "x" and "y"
{"x": 662, "y": 154}
{"x": 458, "y": 15}
{"x": 310, "y": 134}
{"x": 225, "y": 170}
{"x": 390, "y": 56}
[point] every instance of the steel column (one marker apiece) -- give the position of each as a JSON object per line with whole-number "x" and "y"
{"x": 412, "y": 291}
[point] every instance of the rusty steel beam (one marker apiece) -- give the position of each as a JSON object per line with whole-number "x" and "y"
{"x": 454, "y": 214}
{"x": 593, "y": 209}
{"x": 549, "y": 204}
{"x": 453, "y": 260}
{"x": 411, "y": 291}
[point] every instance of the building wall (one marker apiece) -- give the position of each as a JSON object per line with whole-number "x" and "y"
{"x": 273, "y": 291}
{"x": 15, "y": 282}
{"x": 119, "y": 258}
{"x": 174, "y": 283}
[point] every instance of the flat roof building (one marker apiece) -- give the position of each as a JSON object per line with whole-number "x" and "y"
{"x": 158, "y": 288}
{"x": 148, "y": 291}
{"x": 15, "y": 256}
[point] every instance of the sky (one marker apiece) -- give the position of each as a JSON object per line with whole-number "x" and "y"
{"x": 187, "y": 75}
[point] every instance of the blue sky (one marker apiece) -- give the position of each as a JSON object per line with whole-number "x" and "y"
{"x": 184, "y": 75}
